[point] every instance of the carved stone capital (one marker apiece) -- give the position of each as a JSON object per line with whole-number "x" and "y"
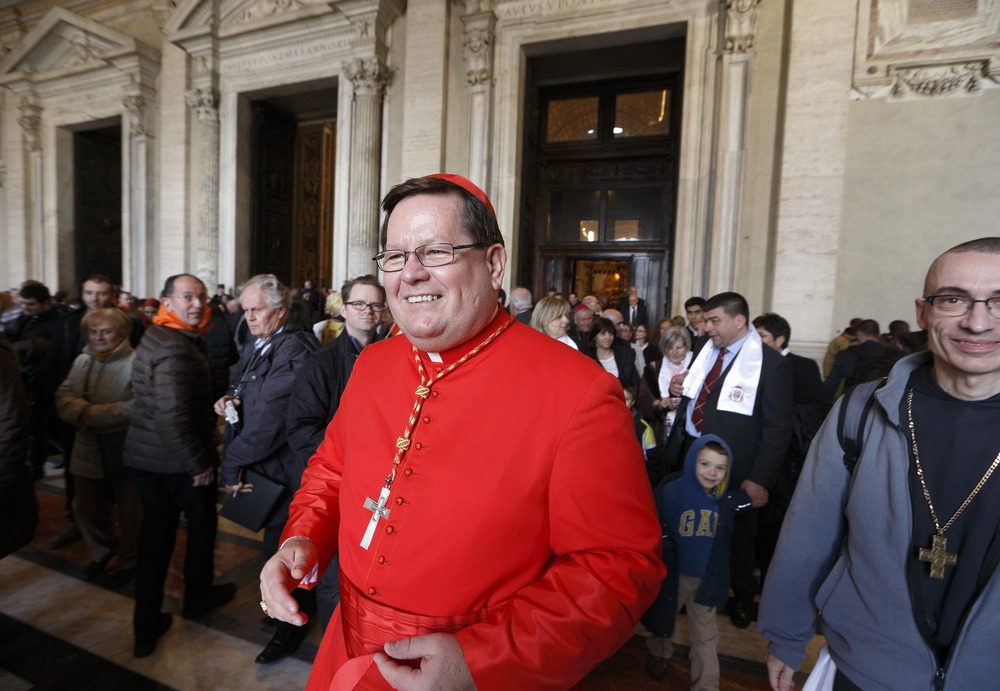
{"x": 741, "y": 25}
{"x": 31, "y": 122}
{"x": 204, "y": 102}
{"x": 368, "y": 75}
{"x": 478, "y": 45}
{"x": 160, "y": 10}
{"x": 135, "y": 108}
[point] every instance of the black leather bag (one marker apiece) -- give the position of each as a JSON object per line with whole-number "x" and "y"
{"x": 253, "y": 509}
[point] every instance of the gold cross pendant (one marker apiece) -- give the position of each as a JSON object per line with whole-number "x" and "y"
{"x": 938, "y": 556}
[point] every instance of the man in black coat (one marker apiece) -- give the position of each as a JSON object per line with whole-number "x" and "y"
{"x": 31, "y": 336}
{"x": 633, "y": 308}
{"x": 316, "y": 397}
{"x": 752, "y": 411}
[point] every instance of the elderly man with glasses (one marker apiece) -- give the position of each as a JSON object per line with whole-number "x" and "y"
{"x": 487, "y": 538}
{"x": 901, "y": 554}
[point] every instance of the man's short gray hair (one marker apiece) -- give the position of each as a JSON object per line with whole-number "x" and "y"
{"x": 520, "y": 298}
{"x": 273, "y": 290}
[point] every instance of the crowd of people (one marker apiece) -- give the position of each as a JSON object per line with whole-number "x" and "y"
{"x": 713, "y": 430}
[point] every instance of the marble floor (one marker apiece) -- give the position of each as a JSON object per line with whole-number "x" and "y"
{"x": 58, "y": 631}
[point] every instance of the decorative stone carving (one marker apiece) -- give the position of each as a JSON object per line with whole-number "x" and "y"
{"x": 926, "y": 48}
{"x": 204, "y": 102}
{"x": 160, "y": 10}
{"x": 30, "y": 122}
{"x": 83, "y": 52}
{"x": 135, "y": 107}
{"x": 939, "y": 80}
{"x": 478, "y": 45}
{"x": 368, "y": 75}
{"x": 267, "y": 8}
{"x": 741, "y": 25}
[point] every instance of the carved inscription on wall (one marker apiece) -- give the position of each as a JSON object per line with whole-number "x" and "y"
{"x": 926, "y": 48}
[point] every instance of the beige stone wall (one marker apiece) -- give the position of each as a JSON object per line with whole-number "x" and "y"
{"x": 921, "y": 176}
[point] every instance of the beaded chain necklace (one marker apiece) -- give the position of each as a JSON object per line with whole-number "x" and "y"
{"x": 380, "y": 508}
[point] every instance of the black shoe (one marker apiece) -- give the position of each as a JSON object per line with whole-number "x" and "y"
{"x": 283, "y": 643}
{"x": 741, "y": 616}
{"x": 268, "y": 623}
{"x": 70, "y": 533}
{"x": 219, "y": 595}
{"x": 657, "y": 666}
{"x": 145, "y": 647}
{"x": 120, "y": 578}
{"x": 94, "y": 568}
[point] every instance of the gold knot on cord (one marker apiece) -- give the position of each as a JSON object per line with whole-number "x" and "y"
{"x": 423, "y": 391}
{"x": 402, "y": 443}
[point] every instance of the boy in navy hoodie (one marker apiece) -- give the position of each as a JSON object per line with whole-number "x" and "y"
{"x": 697, "y": 515}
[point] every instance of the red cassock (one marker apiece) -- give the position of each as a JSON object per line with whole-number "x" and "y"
{"x": 520, "y": 518}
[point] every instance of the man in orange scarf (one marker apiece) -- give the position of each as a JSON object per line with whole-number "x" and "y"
{"x": 487, "y": 537}
{"x": 171, "y": 450}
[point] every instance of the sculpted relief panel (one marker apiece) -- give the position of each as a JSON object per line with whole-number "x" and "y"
{"x": 926, "y": 48}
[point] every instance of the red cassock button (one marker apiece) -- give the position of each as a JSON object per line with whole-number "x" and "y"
{"x": 372, "y": 591}
{"x": 400, "y": 501}
{"x": 389, "y": 529}
{"x": 408, "y": 471}
{"x": 427, "y": 420}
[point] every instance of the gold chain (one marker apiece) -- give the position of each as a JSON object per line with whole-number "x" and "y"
{"x": 424, "y": 390}
{"x": 923, "y": 483}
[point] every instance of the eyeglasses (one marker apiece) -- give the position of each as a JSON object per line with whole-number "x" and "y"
{"x": 359, "y": 306}
{"x": 434, "y": 254}
{"x": 189, "y": 297}
{"x": 957, "y": 305}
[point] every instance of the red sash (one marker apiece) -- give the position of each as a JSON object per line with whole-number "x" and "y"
{"x": 360, "y": 627}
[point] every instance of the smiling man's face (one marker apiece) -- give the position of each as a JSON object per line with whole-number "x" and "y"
{"x": 440, "y": 307}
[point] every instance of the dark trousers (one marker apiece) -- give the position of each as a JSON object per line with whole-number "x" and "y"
{"x": 743, "y": 557}
{"x": 164, "y": 497}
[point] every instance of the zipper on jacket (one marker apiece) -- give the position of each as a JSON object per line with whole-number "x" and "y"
{"x": 939, "y": 678}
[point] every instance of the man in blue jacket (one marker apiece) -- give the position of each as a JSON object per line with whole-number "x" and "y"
{"x": 900, "y": 556}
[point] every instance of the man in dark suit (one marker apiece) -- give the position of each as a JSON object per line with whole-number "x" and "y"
{"x": 742, "y": 391}
{"x": 811, "y": 407}
{"x": 521, "y": 305}
{"x": 633, "y": 308}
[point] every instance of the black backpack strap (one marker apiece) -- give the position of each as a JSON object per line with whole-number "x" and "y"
{"x": 858, "y": 402}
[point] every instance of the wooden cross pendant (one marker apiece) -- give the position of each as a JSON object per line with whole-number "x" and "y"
{"x": 379, "y": 510}
{"x": 938, "y": 556}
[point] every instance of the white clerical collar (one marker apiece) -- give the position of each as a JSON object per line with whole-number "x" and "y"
{"x": 434, "y": 357}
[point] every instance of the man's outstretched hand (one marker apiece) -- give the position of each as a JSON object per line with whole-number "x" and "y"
{"x": 282, "y": 574}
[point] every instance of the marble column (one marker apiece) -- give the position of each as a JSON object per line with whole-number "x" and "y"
{"x": 478, "y": 44}
{"x": 30, "y": 121}
{"x": 204, "y": 102}
{"x": 368, "y": 77}
{"x": 737, "y": 67}
{"x": 135, "y": 274}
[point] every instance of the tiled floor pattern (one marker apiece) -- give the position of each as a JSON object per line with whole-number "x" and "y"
{"x": 59, "y": 632}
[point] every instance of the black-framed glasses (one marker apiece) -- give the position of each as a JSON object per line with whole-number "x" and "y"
{"x": 434, "y": 254}
{"x": 957, "y": 305}
{"x": 359, "y": 306}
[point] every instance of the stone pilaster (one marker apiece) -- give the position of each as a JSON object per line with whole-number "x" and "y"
{"x": 478, "y": 44}
{"x": 737, "y": 66}
{"x": 204, "y": 102}
{"x": 368, "y": 77}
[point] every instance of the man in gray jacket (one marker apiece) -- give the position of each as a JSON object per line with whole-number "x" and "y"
{"x": 171, "y": 450}
{"x": 900, "y": 557}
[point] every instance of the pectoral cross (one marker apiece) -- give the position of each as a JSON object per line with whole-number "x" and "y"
{"x": 379, "y": 510}
{"x": 938, "y": 556}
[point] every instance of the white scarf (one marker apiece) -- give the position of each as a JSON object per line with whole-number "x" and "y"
{"x": 739, "y": 390}
{"x": 668, "y": 370}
